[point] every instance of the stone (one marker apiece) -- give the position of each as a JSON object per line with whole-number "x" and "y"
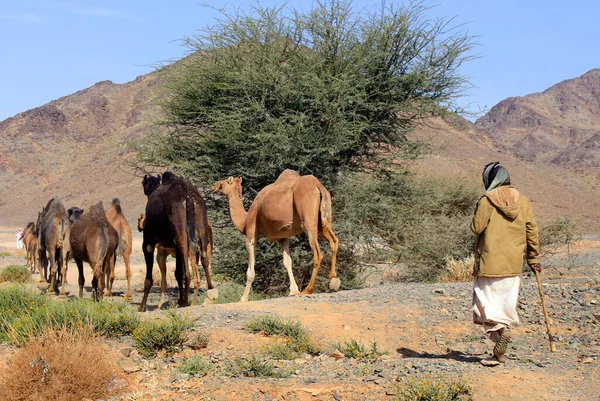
{"x": 337, "y": 355}
{"x": 212, "y": 385}
{"x": 126, "y": 352}
{"x": 438, "y": 291}
{"x": 346, "y": 327}
{"x": 129, "y": 366}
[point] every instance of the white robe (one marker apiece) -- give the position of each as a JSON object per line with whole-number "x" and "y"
{"x": 495, "y": 302}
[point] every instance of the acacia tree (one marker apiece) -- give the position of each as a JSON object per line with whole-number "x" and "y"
{"x": 328, "y": 92}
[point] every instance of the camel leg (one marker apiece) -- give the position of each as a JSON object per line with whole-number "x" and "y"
{"x": 127, "y": 260}
{"x": 287, "y": 262}
{"x": 182, "y": 275}
{"x": 62, "y": 264}
{"x": 53, "y": 272}
{"x": 194, "y": 262}
{"x": 327, "y": 232}
{"x": 313, "y": 240}
{"x": 161, "y": 260}
{"x": 95, "y": 282}
{"x": 43, "y": 266}
{"x": 212, "y": 293}
{"x": 250, "y": 272}
{"x": 79, "y": 264}
{"x": 110, "y": 275}
{"x": 149, "y": 258}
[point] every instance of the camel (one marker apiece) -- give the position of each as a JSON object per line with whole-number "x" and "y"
{"x": 161, "y": 259}
{"x": 30, "y": 242}
{"x": 93, "y": 240}
{"x": 53, "y": 239}
{"x": 291, "y": 205}
{"x": 171, "y": 222}
{"x": 117, "y": 219}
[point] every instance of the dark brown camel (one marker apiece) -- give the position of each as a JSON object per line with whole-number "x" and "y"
{"x": 30, "y": 242}
{"x": 94, "y": 241}
{"x": 117, "y": 219}
{"x": 175, "y": 218}
{"x": 53, "y": 243}
{"x": 161, "y": 260}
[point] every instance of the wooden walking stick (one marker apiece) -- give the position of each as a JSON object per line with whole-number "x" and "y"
{"x": 548, "y": 321}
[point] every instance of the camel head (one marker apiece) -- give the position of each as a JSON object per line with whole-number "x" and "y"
{"x": 229, "y": 187}
{"x": 75, "y": 214}
{"x": 141, "y": 222}
{"x": 150, "y": 183}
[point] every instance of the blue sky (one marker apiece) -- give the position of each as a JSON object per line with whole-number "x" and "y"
{"x": 54, "y": 48}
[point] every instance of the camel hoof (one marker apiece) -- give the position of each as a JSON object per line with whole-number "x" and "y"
{"x": 212, "y": 294}
{"x": 128, "y": 296}
{"x": 293, "y": 293}
{"x": 108, "y": 294}
{"x": 334, "y": 284}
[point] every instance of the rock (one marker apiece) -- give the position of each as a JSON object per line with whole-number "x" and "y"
{"x": 587, "y": 360}
{"x": 594, "y": 302}
{"x": 346, "y": 327}
{"x": 337, "y": 355}
{"x": 129, "y": 366}
{"x": 438, "y": 291}
{"x": 126, "y": 352}
{"x": 337, "y": 396}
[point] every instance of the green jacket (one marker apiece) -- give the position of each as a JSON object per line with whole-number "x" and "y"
{"x": 506, "y": 230}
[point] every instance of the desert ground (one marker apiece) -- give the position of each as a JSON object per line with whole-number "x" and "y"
{"x": 425, "y": 331}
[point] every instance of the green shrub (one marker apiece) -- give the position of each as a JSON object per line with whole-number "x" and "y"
{"x": 229, "y": 293}
{"x": 17, "y": 301}
{"x": 5, "y": 254}
{"x": 15, "y": 274}
{"x": 356, "y": 350}
{"x": 198, "y": 341}
{"x": 274, "y": 326}
{"x": 196, "y": 366}
{"x": 168, "y": 335}
{"x": 433, "y": 390}
{"x": 107, "y": 318}
{"x": 559, "y": 231}
{"x": 293, "y": 348}
{"x": 254, "y": 365}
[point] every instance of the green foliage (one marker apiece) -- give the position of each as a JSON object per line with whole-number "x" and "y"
{"x": 356, "y": 350}
{"x": 274, "y": 326}
{"x": 419, "y": 221}
{"x": 167, "y": 335}
{"x": 111, "y": 319}
{"x": 559, "y": 231}
{"x": 433, "y": 390}
{"x": 198, "y": 341}
{"x": 5, "y": 254}
{"x": 293, "y": 348}
{"x": 196, "y": 366}
{"x": 17, "y": 301}
{"x": 331, "y": 92}
{"x": 254, "y": 365}
{"x": 229, "y": 293}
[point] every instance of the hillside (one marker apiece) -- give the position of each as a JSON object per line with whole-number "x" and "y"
{"x": 74, "y": 148}
{"x": 560, "y": 125}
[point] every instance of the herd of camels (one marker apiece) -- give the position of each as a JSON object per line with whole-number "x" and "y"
{"x": 176, "y": 223}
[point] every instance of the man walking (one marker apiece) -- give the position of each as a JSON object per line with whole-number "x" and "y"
{"x": 506, "y": 232}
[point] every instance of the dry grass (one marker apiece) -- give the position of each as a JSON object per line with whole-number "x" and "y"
{"x": 458, "y": 270}
{"x": 65, "y": 365}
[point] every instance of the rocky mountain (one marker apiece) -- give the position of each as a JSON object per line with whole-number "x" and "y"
{"x": 560, "y": 125}
{"x": 76, "y": 148}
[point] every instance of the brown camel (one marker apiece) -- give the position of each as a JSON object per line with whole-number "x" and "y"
{"x": 171, "y": 223}
{"x": 94, "y": 241}
{"x": 161, "y": 259}
{"x": 117, "y": 219}
{"x": 30, "y": 241}
{"x": 291, "y": 205}
{"x": 53, "y": 239}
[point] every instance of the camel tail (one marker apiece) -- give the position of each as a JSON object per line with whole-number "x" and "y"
{"x": 122, "y": 244}
{"x": 103, "y": 250}
{"x": 190, "y": 216}
{"x": 61, "y": 235}
{"x": 325, "y": 214}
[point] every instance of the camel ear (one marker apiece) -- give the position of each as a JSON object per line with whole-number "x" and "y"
{"x": 230, "y": 180}
{"x": 158, "y": 176}
{"x": 145, "y": 179}
{"x": 239, "y": 180}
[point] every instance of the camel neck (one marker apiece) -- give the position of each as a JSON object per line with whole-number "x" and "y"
{"x": 238, "y": 213}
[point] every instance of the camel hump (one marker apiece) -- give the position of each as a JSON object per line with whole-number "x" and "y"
{"x": 169, "y": 177}
{"x": 287, "y": 176}
{"x": 116, "y": 203}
